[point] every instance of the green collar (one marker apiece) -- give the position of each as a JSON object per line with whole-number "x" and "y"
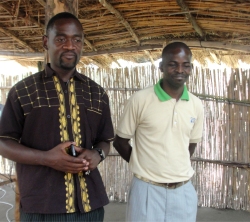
{"x": 163, "y": 96}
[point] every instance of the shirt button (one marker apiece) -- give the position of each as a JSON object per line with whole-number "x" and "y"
{"x": 65, "y": 91}
{"x": 68, "y": 116}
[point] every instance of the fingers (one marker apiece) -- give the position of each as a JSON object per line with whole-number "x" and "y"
{"x": 67, "y": 143}
{"x": 79, "y": 149}
{"x": 73, "y": 166}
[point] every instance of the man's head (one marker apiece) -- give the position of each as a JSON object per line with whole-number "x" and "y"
{"x": 63, "y": 41}
{"x": 176, "y": 64}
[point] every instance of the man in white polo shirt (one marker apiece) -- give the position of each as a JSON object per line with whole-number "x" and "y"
{"x": 165, "y": 122}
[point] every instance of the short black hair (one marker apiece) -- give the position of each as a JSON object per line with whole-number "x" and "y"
{"x": 61, "y": 15}
{"x": 174, "y": 45}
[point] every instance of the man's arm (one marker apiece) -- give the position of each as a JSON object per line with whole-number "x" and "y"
{"x": 123, "y": 147}
{"x": 192, "y": 148}
{"x": 105, "y": 146}
{"x": 56, "y": 158}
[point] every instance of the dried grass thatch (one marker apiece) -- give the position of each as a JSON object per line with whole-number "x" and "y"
{"x": 134, "y": 30}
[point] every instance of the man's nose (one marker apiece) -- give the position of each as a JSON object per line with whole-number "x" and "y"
{"x": 180, "y": 69}
{"x": 69, "y": 44}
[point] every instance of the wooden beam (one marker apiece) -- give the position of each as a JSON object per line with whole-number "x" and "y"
{"x": 92, "y": 61}
{"x": 215, "y": 57}
{"x": 87, "y": 42}
{"x": 195, "y": 44}
{"x": 145, "y": 46}
{"x": 22, "y": 15}
{"x": 227, "y": 7}
{"x": 190, "y": 18}
{"x": 218, "y": 45}
{"x": 42, "y": 3}
{"x": 120, "y": 17}
{"x": 122, "y": 50}
{"x": 17, "y": 9}
{"x": 150, "y": 57}
{"x": 54, "y": 7}
{"x": 114, "y": 60}
{"x": 94, "y": 49}
{"x": 21, "y": 42}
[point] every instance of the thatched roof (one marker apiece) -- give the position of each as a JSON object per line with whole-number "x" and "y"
{"x": 134, "y": 30}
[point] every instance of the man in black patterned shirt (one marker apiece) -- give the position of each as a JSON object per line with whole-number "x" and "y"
{"x": 44, "y": 115}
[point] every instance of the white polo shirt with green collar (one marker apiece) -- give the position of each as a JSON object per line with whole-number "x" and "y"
{"x": 162, "y": 129}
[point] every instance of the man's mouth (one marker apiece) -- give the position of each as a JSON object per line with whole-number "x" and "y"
{"x": 179, "y": 77}
{"x": 69, "y": 55}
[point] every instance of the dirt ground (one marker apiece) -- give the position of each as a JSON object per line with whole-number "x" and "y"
{"x": 115, "y": 212}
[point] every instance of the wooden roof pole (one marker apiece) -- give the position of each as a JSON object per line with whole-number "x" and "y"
{"x": 9, "y": 34}
{"x": 149, "y": 45}
{"x": 54, "y": 7}
{"x": 150, "y": 57}
{"x": 92, "y": 61}
{"x": 190, "y": 18}
{"x": 114, "y": 60}
{"x": 120, "y": 17}
{"x": 17, "y": 9}
{"x": 87, "y": 42}
{"x": 108, "y": 6}
{"x": 157, "y": 44}
{"x": 42, "y": 3}
{"x": 23, "y": 43}
{"x": 22, "y": 15}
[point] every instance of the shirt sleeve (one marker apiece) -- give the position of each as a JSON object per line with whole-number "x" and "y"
{"x": 197, "y": 131}
{"x": 12, "y": 118}
{"x": 106, "y": 130}
{"x": 128, "y": 121}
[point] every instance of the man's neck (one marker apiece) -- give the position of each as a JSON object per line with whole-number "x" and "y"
{"x": 174, "y": 92}
{"x": 63, "y": 74}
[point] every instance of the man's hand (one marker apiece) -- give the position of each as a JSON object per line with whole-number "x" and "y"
{"x": 91, "y": 156}
{"x": 58, "y": 159}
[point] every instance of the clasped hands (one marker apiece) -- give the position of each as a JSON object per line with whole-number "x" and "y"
{"x": 59, "y": 159}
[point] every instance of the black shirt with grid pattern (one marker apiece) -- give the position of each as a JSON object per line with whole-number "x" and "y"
{"x": 33, "y": 115}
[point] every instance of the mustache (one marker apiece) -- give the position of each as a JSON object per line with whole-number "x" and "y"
{"x": 69, "y": 53}
{"x": 183, "y": 75}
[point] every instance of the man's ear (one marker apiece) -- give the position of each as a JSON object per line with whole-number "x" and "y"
{"x": 160, "y": 66}
{"x": 45, "y": 41}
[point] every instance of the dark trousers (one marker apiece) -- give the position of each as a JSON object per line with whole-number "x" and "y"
{"x": 92, "y": 216}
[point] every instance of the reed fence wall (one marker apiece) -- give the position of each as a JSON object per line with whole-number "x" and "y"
{"x": 221, "y": 160}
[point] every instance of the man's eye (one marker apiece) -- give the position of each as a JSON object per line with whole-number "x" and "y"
{"x": 171, "y": 65}
{"x": 78, "y": 40}
{"x": 60, "y": 39}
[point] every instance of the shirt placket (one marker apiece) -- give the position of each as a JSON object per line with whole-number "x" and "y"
{"x": 175, "y": 121}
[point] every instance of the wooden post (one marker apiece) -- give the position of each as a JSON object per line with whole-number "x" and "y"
{"x": 52, "y": 8}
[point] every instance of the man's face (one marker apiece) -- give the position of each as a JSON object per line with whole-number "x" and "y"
{"x": 176, "y": 67}
{"x": 64, "y": 43}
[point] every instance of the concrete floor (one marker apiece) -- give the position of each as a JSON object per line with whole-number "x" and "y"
{"x": 115, "y": 212}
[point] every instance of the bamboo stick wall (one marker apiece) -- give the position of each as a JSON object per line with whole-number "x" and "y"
{"x": 221, "y": 161}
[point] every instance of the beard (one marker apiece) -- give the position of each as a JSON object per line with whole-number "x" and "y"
{"x": 68, "y": 65}
{"x": 177, "y": 83}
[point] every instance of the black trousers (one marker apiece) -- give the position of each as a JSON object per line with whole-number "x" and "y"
{"x": 92, "y": 216}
